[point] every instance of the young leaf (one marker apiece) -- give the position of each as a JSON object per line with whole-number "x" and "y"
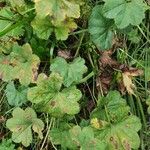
{"x": 48, "y": 97}
{"x": 16, "y": 97}
{"x": 125, "y": 12}
{"x": 19, "y": 63}
{"x": 71, "y": 72}
{"x": 21, "y": 125}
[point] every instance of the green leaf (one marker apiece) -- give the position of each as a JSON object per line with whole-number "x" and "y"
{"x": 19, "y": 63}
{"x": 16, "y": 96}
{"x": 48, "y": 97}
{"x": 112, "y": 107}
{"x": 122, "y": 135}
{"x": 114, "y": 125}
{"x": 21, "y": 125}
{"x": 125, "y": 12}
{"x": 76, "y": 137}
{"x": 42, "y": 27}
{"x": 61, "y": 136}
{"x": 71, "y": 72}
{"x": 57, "y": 14}
{"x": 63, "y": 29}
{"x": 100, "y": 29}
{"x": 8, "y": 18}
{"x": 7, "y": 145}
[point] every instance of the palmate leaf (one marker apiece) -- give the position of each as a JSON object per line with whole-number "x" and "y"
{"x": 16, "y": 96}
{"x": 71, "y": 72}
{"x": 114, "y": 125}
{"x": 125, "y": 12}
{"x": 48, "y": 97}
{"x": 22, "y": 123}
{"x": 100, "y": 29}
{"x": 58, "y": 10}
{"x": 122, "y": 135}
{"x": 116, "y": 107}
{"x": 56, "y": 16}
{"x": 75, "y": 138}
{"x": 18, "y": 63}
{"x": 43, "y": 28}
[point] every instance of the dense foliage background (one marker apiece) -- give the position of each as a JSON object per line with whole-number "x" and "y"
{"x": 74, "y": 74}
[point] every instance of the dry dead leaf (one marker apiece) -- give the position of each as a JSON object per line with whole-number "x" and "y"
{"x": 127, "y": 79}
{"x": 64, "y": 54}
{"x": 106, "y": 58}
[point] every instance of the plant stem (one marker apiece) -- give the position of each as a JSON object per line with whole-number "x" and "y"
{"x": 49, "y": 127}
{"x": 87, "y": 77}
{"x": 141, "y": 111}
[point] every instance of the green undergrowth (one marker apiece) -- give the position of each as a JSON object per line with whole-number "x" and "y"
{"x": 74, "y": 74}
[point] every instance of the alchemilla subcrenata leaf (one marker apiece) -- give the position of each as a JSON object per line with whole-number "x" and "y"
{"x": 76, "y": 137}
{"x": 18, "y": 62}
{"x": 100, "y": 29}
{"x": 114, "y": 124}
{"x": 71, "y": 72}
{"x": 16, "y": 96}
{"x": 125, "y": 12}
{"x": 22, "y": 123}
{"x": 48, "y": 96}
{"x": 58, "y": 16}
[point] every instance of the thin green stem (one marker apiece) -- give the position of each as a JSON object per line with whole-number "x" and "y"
{"x": 81, "y": 39}
{"x": 86, "y": 78}
{"x": 142, "y": 112}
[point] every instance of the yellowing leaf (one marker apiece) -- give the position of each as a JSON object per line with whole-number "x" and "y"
{"x": 57, "y": 16}
{"x": 58, "y": 10}
{"x": 114, "y": 125}
{"x": 21, "y": 123}
{"x": 19, "y": 63}
{"x": 48, "y": 96}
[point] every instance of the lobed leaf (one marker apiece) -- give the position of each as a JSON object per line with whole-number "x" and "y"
{"x": 125, "y": 12}
{"x": 48, "y": 96}
{"x": 16, "y": 96}
{"x": 20, "y": 125}
{"x": 100, "y": 29}
{"x": 71, "y": 72}
{"x": 19, "y": 63}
